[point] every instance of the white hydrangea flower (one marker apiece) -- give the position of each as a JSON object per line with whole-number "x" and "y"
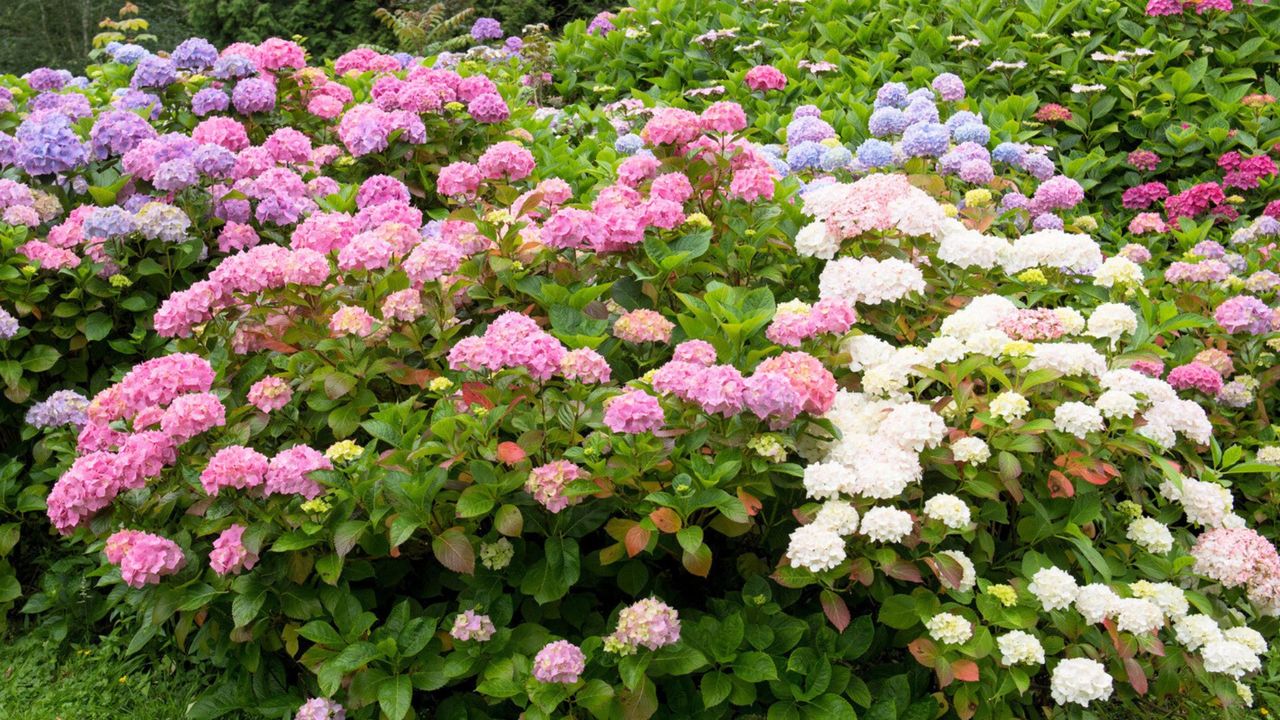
{"x": 1151, "y": 535}
{"x": 814, "y": 240}
{"x": 1138, "y": 616}
{"x": 1054, "y": 249}
{"x": 949, "y": 510}
{"x": 1020, "y": 648}
{"x": 886, "y": 524}
{"x": 867, "y": 351}
{"x": 1229, "y": 657}
{"x": 1195, "y": 631}
{"x": 1096, "y": 602}
{"x": 971, "y": 450}
{"x": 1269, "y": 454}
{"x": 987, "y": 342}
{"x": 968, "y": 575}
{"x": 816, "y": 548}
{"x": 1248, "y": 637}
{"x": 1079, "y": 681}
{"x": 1055, "y": 588}
{"x": 838, "y": 516}
{"x": 1170, "y": 598}
{"x": 1118, "y": 270}
{"x": 1112, "y": 321}
{"x": 945, "y": 349}
{"x": 1205, "y": 503}
{"x": 1116, "y": 404}
{"x": 949, "y": 628}
{"x": 1009, "y": 406}
{"x": 1071, "y": 319}
{"x": 1078, "y": 419}
{"x": 1068, "y": 358}
{"x": 913, "y": 426}
{"x": 827, "y": 480}
{"x": 1245, "y": 693}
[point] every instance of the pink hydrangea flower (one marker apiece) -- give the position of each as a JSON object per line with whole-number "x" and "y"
{"x": 143, "y": 558}
{"x": 288, "y": 472}
{"x": 404, "y": 305}
{"x": 585, "y": 365}
{"x": 1150, "y": 368}
{"x": 634, "y": 411}
{"x": 269, "y": 394}
{"x": 1196, "y": 376}
{"x": 234, "y": 467}
{"x": 765, "y": 77}
{"x": 559, "y": 662}
{"x": 547, "y": 483}
{"x": 1244, "y": 313}
{"x": 229, "y": 555}
{"x": 323, "y": 708}
{"x": 459, "y": 179}
{"x": 193, "y": 414}
{"x": 649, "y": 623}
{"x": 471, "y": 626}
{"x": 698, "y": 352}
{"x": 815, "y": 384}
{"x": 351, "y": 320}
{"x": 717, "y": 389}
{"x": 643, "y": 325}
{"x": 506, "y": 160}
{"x": 724, "y": 117}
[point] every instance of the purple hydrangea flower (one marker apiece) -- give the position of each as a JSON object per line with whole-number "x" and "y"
{"x": 64, "y": 407}
{"x": 887, "y": 121}
{"x": 891, "y": 94}
{"x": 486, "y": 28}
{"x": 195, "y": 54}
{"x": 209, "y": 100}
{"x": 154, "y": 71}
{"x": 47, "y": 144}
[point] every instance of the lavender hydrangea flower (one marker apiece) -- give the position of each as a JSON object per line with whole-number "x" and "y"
{"x": 253, "y": 95}
{"x": 138, "y": 100}
{"x": 233, "y": 67}
{"x": 43, "y": 79}
{"x": 73, "y": 105}
{"x": 809, "y": 129}
{"x": 127, "y": 53}
{"x": 194, "y": 54}
{"x": 8, "y": 325}
{"x": 64, "y": 407}
{"x": 154, "y": 71}
{"x": 117, "y": 132}
{"x": 209, "y": 100}
{"x": 108, "y": 222}
{"x": 1038, "y": 166}
{"x": 921, "y": 111}
{"x": 214, "y": 160}
{"x": 949, "y": 87}
{"x": 892, "y": 94}
{"x": 972, "y": 133}
{"x": 48, "y": 144}
{"x": 486, "y": 28}
{"x": 628, "y": 144}
{"x": 805, "y": 155}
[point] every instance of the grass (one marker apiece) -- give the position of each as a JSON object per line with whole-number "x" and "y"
{"x": 45, "y": 680}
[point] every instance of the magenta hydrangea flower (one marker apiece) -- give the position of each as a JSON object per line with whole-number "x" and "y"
{"x": 1197, "y": 376}
{"x": 634, "y": 411}
{"x": 229, "y": 555}
{"x": 559, "y": 662}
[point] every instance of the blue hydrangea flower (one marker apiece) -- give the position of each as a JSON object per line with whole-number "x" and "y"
{"x": 962, "y": 117}
{"x": 403, "y": 58}
{"x": 779, "y": 165}
{"x": 1007, "y": 152}
{"x": 973, "y": 132}
{"x": 772, "y": 150}
{"x": 809, "y": 129}
{"x": 214, "y": 160}
{"x": 805, "y": 155}
{"x": 194, "y": 54}
{"x": 926, "y": 139}
{"x": 836, "y": 158}
{"x": 128, "y": 53}
{"x": 920, "y": 94}
{"x": 628, "y": 144}
{"x": 891, "y": 94}
{"x": 108, "y": 222}
{"x": 875, "y": 153}
{"x": 921, "y": 111}
{"x": 887, "y": 121}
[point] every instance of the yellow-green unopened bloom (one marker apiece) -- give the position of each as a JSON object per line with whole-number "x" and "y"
{"x": 949, "y": 210}
{"x": 977, "y": 197}
{"x": 1034, "y": 276}
{"x": 343, "y": 451}
{"x": 698, "y": 220}
{"x": 1007, "y": 596}
{"x": 768, "y": 447}
{"x": 316, "y": 505}
{"x": 1086, "y": 223}
{"x": 119, "y": 281}
{"x": 1017, "y": 348}
{"x": 439, "y": 384}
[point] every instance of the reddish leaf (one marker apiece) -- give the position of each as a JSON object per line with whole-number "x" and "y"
{"x": 472, "y": 394}
{"x": 836, "y": 610}
{"x": 942, "y": 669}
{"x": 903, "y": 570}
{"x": 966, "y": 670}
{"x": 453, "y": 549}
{"x": 637, "y": 540}
{"x": 947, "y": 569}
{"x": 924, "y": 651}
{"x": 666, "y": 519}
{"x": 862, "y": 572}
{"x": 1060, "y": 486}
{"x": 510, "y": 453}
{"x": 749, "y": 502}
{"x": 698, "y": 562}
{"x": 1137, "y": 676}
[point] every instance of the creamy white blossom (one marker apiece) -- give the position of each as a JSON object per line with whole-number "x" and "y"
{"x": 838, "y": 516}
{"x": 1054, "y": 588}
{"x": 949, "y": 510}
{"x": 1080, "y": 681}
{"x": 971, "y": 450}
{"x": 816, "y": 548}
{"x": 949, "y": 628}
{"x": 1151, "y": 535}
{"x": 886, "y": 524}
{"x": 1020, "y": 648}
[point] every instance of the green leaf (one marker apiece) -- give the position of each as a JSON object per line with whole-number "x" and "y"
{"x": 715, "y": 687}
{"x": 97, "y": 326}
{"x": 319, "y": 631}
{"x": 395, "y": 696}
{"x": 40, "y": 358}
{"x": 755, "y": 667}
{"x": 597, "y": 697}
